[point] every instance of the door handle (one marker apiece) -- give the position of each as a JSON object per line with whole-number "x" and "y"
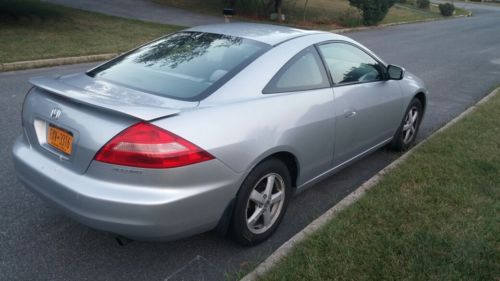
{"x": 349, "y": 113}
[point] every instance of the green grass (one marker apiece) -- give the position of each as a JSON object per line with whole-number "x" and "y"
{"x": 320, "y": 14}
{"x": 410, "y": 12}
{"x": 436, "y": 217}
{"x": 404, "y": 13}
{"x": 32, "y": 30}
{"x": 461, "y": 12}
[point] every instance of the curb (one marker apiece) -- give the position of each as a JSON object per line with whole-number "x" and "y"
{"x": 354, "y": 196}
{"x": 364, "y": 28}
{"x": 53, "y": 62}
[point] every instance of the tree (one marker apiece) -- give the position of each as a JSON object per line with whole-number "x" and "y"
{"x": 277, "y": 9}
{"x": 373, "y": 11}
{"x": 305, "y": 9}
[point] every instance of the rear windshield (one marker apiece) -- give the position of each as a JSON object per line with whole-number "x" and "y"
{"x": 185, "y": 65}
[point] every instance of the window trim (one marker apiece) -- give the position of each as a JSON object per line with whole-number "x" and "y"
{"x": 383, "y": 67}
{"x": 270, "y": 89}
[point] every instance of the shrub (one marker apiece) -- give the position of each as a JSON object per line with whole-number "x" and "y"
{"x": 423, "y": 4}
{"x": 446, "y": 9}
{"x": 373, "y": 11}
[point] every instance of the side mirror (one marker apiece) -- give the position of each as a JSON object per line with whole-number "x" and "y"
{"x": 395, "y": 72}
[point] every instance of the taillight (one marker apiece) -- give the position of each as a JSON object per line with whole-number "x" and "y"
{"x": 148, "y": 146}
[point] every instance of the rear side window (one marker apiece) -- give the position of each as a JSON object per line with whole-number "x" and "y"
{"x": 185, "y": 65}
{"x": 303, "y": 72}
{"x": 348, "y": 64}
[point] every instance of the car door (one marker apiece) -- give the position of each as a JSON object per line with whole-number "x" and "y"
{"x": 367, "y": 106}
{"x": 302, "y": 89}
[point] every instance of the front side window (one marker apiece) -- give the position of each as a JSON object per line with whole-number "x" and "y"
{"x": 183, "y": 65}
{"x": 348, "y": 64}
{"x": 303, "y": 72}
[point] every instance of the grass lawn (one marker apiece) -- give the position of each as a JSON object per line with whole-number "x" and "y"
{"x": 41, "y": 30}
{"x": 436, "y": 217}
{"x": 320, "y": 14}
{"x": 403, "y": 13}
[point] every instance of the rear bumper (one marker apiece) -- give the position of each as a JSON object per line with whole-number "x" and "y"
{"x": 147, "y": 204}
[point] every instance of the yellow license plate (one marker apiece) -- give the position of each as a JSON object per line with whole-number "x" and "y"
{"x": 60, "y": 139}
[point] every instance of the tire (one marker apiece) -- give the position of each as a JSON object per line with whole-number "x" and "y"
{"x": 255, "y": 216}
{"x": 406, "y": 134}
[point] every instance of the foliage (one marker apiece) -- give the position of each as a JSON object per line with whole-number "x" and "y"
{"x": 373, "y": 11}
{"x": 446, "y": 9}
{"x": 183, "y": 47}
{"x": 423, "y": 4}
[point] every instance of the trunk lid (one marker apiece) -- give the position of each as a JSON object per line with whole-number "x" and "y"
{"x": 101, "y": 94}
{"x": 81, "y": 114}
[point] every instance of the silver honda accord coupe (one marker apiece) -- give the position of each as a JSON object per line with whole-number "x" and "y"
{"x": 212, "y": 127}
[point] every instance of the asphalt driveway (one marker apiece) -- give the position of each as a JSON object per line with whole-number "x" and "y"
{"x": 145, "y": 10}
{"x": 459, "y": 59}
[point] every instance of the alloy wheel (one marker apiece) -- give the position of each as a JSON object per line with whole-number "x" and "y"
{"x": 265, "y": 203}
{"x": 410, "y": 125}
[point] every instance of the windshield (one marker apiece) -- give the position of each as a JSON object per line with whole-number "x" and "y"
{"x": 184, "y": 65}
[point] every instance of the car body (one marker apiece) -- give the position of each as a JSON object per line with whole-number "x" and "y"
{"x": 243, "y": 117}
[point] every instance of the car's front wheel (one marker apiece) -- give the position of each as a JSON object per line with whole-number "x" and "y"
{"x": 407, "y": 131}
{"x": 261, "y": 202}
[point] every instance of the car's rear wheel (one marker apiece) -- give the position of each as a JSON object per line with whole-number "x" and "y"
{"x": 261, "y": 202}
{"x": 407, "y": 131}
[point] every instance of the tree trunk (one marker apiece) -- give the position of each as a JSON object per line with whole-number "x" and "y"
{"x": 305, "y": 9}
{"x": 277, "y": 9}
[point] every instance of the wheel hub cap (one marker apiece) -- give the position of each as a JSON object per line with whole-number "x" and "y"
{"x": 410, "y": 125}
{"x": 265, "y": 203}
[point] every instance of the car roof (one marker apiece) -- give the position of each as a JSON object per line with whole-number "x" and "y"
{"x": 265, "y": 33}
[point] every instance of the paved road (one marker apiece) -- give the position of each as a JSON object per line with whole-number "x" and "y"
{"x": 145, "y": 10}
{"x": 459, "y": 59}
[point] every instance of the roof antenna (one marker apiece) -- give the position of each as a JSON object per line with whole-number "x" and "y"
{"x": 228, "y": 14}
